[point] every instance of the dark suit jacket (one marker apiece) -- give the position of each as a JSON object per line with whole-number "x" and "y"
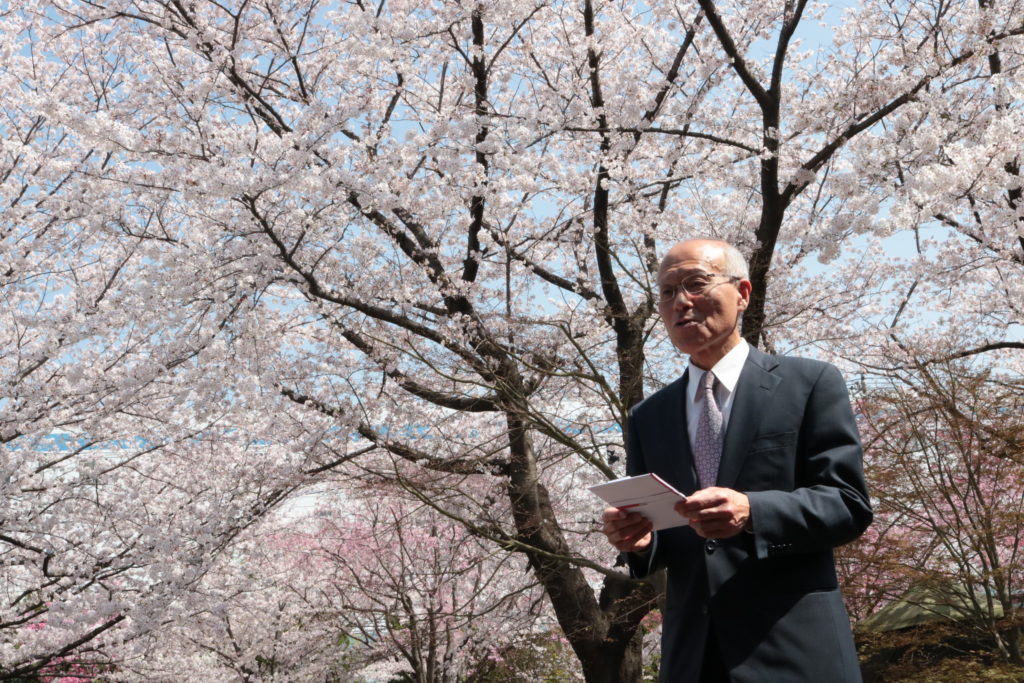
{"x": 771, "y": 595}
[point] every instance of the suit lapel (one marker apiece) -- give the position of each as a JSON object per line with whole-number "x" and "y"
{"x": 754, "y": 390}
{"x": 677, "y": 457}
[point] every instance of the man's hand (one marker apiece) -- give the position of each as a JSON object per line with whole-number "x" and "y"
{"x": 716, "y": 512}
{"x": 628, "y": 531}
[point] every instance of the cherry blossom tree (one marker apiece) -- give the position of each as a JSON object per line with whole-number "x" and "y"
{"x": 408, "y": 244}
{"x": 418, "y": 589}
{"x": 378, "y": 587}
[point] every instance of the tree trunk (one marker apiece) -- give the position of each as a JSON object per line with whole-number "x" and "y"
{"x": 605, "y": 634}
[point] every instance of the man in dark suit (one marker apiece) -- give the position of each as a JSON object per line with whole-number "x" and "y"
{"x": 767, "y": 451}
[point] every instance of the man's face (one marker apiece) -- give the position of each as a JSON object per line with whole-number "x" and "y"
{"x": 702, "y": 326}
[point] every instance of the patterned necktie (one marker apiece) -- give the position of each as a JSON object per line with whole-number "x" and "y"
{"x": 707, "y": 448}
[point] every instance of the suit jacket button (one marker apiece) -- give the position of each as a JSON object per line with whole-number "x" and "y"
{"x": 710, "y": 545}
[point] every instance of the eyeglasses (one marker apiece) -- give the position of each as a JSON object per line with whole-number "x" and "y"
{"x": 693, "y": 285}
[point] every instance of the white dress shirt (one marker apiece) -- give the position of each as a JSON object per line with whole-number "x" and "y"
{"x": 727, "y": 370}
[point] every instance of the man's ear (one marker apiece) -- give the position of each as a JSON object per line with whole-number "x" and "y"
{"x": 744, "y": 287}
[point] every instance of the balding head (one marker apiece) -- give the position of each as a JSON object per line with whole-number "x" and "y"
{"x": 727, "y": 256}
{"x": 703, "y": 289}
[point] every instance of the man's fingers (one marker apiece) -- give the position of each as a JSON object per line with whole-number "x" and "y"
{"x": 612, "y": 514}
{"x": 703, "y": 499}
{"x": 713, "y": 529}
{"x": 633, "y": 542}
{"x": 626, "y": 531}
{"x": 709, "y": 514}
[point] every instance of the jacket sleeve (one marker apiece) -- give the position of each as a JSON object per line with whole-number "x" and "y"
{"x": 829, "y": 503}
{"x": 640, "y": 565}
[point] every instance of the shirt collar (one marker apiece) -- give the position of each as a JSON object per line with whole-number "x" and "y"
{"x": 727, "y": 370}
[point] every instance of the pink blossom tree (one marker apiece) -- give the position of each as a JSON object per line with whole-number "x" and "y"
{"x": 418, "y": 589}
{"x": 947, "y": 460}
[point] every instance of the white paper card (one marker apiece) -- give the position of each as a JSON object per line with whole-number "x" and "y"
{"x": 648, "y": 494}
